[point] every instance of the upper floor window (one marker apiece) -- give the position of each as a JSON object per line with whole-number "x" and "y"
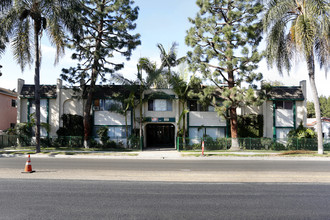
{"x": 13, "y": 103}
{"x": 283, "y": 105}
{"x": 159, "y": 105}
{"x": 194, "y": 106}
{"x": 107, "y": 105}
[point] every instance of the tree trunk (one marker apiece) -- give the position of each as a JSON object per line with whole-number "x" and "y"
{"x": 37, "y": 86}
{"x": 183, "y": 127}
{"x": 96, "y": 58}
{"x": 233, "y": 129}
{"x": 141, "y": 120}
{"x": 87, "y": 110}
{"x": 311, "y": 75}
{"x": 232, "y": 111}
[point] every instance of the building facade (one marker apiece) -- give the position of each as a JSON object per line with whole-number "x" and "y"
{"x": 283, "y": 111}
{"x": 8, "y": 110}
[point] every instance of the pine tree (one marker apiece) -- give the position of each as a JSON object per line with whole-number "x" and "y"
{"x": 225, "y": 36}
{"x": 106, "y": 26}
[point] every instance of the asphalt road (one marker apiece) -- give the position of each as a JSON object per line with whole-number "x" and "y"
{"x": 168, "y": 165}
{"x": 215, "y": 171}
{"x": 69, "y": 199}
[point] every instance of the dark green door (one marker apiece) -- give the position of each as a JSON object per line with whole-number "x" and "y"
{"x": 160, "y": 135}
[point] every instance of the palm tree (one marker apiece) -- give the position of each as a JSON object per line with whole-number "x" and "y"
{"x": 182, "y": 90}
{"x": 169, "y": 59}
{"x": 300, "y": 26}
{"x": 25, "y": 17}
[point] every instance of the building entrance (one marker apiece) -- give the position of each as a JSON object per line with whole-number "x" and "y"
{"x": 160, "y": 135}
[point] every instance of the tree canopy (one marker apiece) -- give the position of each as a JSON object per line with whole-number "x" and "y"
{"x": 106, "y": 34}
{"x": 225, "y": 38}
{"x": 324, "y": 106}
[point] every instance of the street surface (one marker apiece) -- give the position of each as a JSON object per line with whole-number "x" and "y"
{"x": 72, "y": 199}
{"x": 169, "y": 170}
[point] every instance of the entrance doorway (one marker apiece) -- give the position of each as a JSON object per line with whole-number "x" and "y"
{"x": 160, "y": 135}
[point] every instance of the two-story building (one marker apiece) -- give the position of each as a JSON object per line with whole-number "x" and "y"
{"x": 283, "y": 111}
{"x": 8, "y": 111}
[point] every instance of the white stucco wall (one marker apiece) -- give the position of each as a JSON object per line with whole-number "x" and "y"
{"x": 23, "y": 111}
{"x": 206, "y": 119}
{"x": 301, "y": 113}
{"x": 284, "y": 118}
{"x": 267, "y": 110}
{"x": 53, "y": 117}
{"x": 110, "y": 118}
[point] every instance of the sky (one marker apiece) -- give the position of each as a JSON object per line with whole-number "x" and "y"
{"x": 162, "y": 22}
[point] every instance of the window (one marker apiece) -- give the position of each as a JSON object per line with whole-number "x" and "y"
{"x": 108, "y": 104}
{"x": 13, "y": 103}
{"x": 283, "y": 104}
{"x": 117, "y": 132}
{"x": 194, "y": 106}
{"x": 160, "y": 105}
{"x": 214, "y": 133}
{"x": 12, "y": 125}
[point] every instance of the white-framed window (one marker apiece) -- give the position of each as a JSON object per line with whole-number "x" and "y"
{"x": 159, "y": 105}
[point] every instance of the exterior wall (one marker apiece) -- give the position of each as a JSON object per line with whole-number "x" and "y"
{"x": 246, "y": 110}
{"x": 53, "y": 117}
{"x": 67, "y": 103}
{"x": 301, "y": 113}
{"x": 23, "y": 111}
{"x": 206, "y": 119}
{"x": 268, "y": 118}
{"x": 283, "y": 118}
{"x": 8, "y": 114}
{"x": 155, "y": 116}
{"x": 110, "y": 118}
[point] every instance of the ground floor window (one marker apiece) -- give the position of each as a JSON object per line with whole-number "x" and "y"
{"x": 282, "y": 133}
{"x": 213, "y": 132}
{"x": 114, "y": 131}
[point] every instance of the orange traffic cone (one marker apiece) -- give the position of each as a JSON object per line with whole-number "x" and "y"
{"x": 28, "y": 166}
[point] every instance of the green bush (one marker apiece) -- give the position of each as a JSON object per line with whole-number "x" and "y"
{"x": 134, "y": 142}
{"x": 278, "y": 146}
{"x": 102, "y": 133}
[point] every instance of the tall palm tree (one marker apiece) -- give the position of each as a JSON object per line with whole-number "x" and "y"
{"x": 300, "y": 26}
{"x": 182, "y": 90}
{"x": 26, "y": 17}
{"x": 169, "y": 59}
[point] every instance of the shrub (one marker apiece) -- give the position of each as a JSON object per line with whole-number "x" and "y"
{"x": 134, "y": 141}
{"x": 102, "y": 132}
{"x": 277, "y": 146}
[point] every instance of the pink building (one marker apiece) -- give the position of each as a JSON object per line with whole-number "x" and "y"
{"x": 8, "y": 110}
